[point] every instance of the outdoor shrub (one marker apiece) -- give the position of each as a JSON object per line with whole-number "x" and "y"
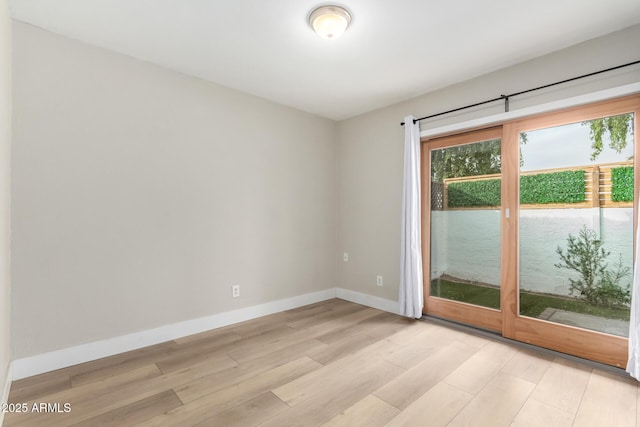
{"x": 474, "y": 193}
{"x": 597, "y": 284}
{"x": 622, "y": 184}
{"x": 543, "y": 188}
{"x": 555, "y": 187}
{"x": 610, "y": 292}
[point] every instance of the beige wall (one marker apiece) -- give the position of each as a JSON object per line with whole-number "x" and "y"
{"x": 371, "y": 147}
{"x": 5, "y": 192}
{"x": 141, "y": 195}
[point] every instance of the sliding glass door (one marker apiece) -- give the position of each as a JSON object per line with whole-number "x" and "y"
{"x": 576, "y": 222}
{"x": 530, "y": 228}
{"x": 576, "y": 225}
{"x": 464, "y": 246}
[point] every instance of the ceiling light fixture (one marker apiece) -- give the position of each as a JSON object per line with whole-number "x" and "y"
{"x": 329, "y": 22}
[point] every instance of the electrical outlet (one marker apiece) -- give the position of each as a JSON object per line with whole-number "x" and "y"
{"x": 379, "y": 281}
{"x": 345, "y": 257}
{"x": 235, "y": 291}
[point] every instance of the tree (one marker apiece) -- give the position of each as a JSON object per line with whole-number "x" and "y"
{"x": 466, "y": 160}
{"x": 618, "y": 128}
{"x": 597, "y": 284}
{"x": 483, "y": 158}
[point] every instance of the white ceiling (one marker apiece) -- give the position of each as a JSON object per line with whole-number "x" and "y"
{"x": 394, "y": 49}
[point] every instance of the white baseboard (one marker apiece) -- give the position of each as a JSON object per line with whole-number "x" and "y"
{"x": 6, "y": 387}
{"x": 38, "y": 364}
{"x": 368, "y": 300}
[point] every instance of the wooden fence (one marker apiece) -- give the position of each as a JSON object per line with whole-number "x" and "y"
{"x": 597, "y": 188}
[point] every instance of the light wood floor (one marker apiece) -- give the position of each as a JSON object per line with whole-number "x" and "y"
{"x": 332, "y": 364}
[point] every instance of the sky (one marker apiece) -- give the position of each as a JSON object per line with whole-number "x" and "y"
{"x": 566, "y": 146}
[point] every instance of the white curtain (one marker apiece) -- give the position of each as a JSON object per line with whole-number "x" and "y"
{"x": 411, "y": 300}
{"x": 633, "y": 365}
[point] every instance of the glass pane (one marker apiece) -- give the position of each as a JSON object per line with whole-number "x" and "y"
{"x": 576, "y": 224}
{"x": 465, "y": 223}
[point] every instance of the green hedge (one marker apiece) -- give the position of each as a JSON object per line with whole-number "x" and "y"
{"x": 473, "y": 193}
{"x": 622, "y": 184}
{"x": 543, "y": 188}
{"x": 555, "y": 187}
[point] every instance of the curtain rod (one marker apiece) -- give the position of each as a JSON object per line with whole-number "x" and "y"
{"x": 506, "y": 97}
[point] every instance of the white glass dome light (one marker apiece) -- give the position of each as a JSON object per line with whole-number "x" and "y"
{"x": 329, "y": 22}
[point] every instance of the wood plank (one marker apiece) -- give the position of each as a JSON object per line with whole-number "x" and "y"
{"x": 411, "y": 331}
{"x": 83, "y": 409}
{"x": 497, "y": 404}
{"x": 370, "y": 323}
{"x": 435, "y": 408}
{"x": 26, "y": 391}
{"x": 608, "y": 400}
{"x": 338, "y": 374}
{"x": 251, "y": 413}
{"x": 85, "y": 392}
{"x": 328, "y": 315}
{"x": 369, "y": 412}
{"x": 474, "y": 374}
{"x": 306, "y": 312}
{"x": 205, "y": 335}
{"x": 256, "y": 349}
{"x": 535, "y": 414}
{"x": 331, "y": 398}
{"x": 356, "y": 320}
{"x": 381, "y": 328}
{"x": 266, "y": 380}
{"x": 233, "y": 375}
{"x": 136, "y": 412}
{"x": 355, "y": 326}
{"x": 199, "y": 408}
{"x": 143, "y": 356}
{"x": 139, "y": 360}
{"x": 196, "y": 351}
{"x": 342, "y": 348}
{"x": 407, "y": 387}
{"x": 563, "y": 385}
{"x": 448, "y": 334}
{"x": 132, "y": 359}
{"x": 423, "y": 345}
{"x": 599, "y": 176}
{"x": 250, "y": 328}
{"x": 528, "y": 365}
